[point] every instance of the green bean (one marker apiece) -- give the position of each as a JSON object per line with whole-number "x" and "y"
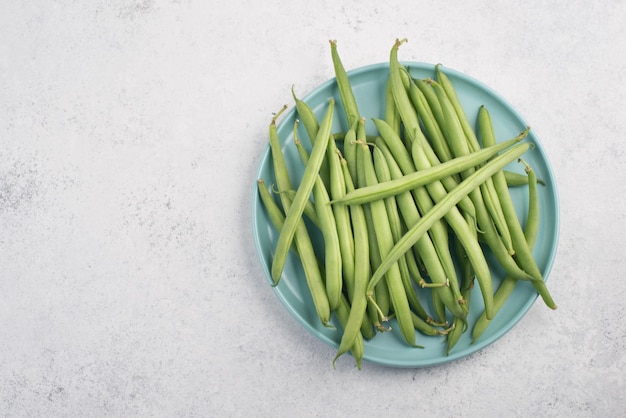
{"x": 439, "y": 307}
{"x": 309, "y": 210}
{"x": 357, "y": 319}
{"x": 450, "y": 92}
{"x": 460, "y": 325}
{"x": 305, "y": 113}
{"x": 349, "y": 147}
{"x": 303, "y": 242}
{"x": 302, "y": 152}
{"x": 440, "y": 210}
{"x": 342, "y": 218}
{"x": 523, "y": 253}
{"x": 361, "y": 256}
{"x": 384, "y": 238}
{"x": 422, "y": 177}
{"x": 392, "y": 117}
{"x": 380, "y": 306}
{"x": 431, "y": 99}
{"x": 431, "y": 126}
{"x": 294, "y": 214}
{"x": 530, "y": 233}
{"x": 332, "y": 250}
{"x": 277, "y": 218}
{"x": 357, "y": 348}
{"x": 345, "y": 89}
{"x": 514, "y": 179}
{"x": 488, "y": 138}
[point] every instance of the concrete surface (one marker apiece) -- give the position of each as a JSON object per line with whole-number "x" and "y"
{"x": 130, "y": 132}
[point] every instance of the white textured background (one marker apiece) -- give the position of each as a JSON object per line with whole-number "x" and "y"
{"x": 130, "y": 132}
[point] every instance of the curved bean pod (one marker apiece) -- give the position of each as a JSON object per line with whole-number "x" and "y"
{"x": 530, "y": 233}
{"x": 294, "y": 214}
{"x": 303, "y": 242}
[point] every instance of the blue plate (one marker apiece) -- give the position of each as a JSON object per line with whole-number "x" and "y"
{"x": 389, "y": 348}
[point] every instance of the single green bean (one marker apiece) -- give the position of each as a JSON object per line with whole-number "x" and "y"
{"x": 392, "y": 117}
{"x": 332, "y": 249}
{"x": 306, "y": 251}
{"x": 275, "y": 213}
{"x": 450, "y": 92}
{"x": 306, "y": 114}
{"x": 361, "y": 257}
{"x": 357, "y": 348}
{"x": 431, "y": 99}
{"x": 460, "y": 325}
{"x": 349, "y": 147}
{"x": 357, "y": 320}
{"x": 530, "y": 233}
{"x": 523, "y": 254}
{"x": 342, "y": 218}
{"x": 380, "y": 306}
{"x": 311, "y": 126}
{"x": 294, "y": 214}
{"x": 345, "y": 89}
{"x": 422, "y": 177}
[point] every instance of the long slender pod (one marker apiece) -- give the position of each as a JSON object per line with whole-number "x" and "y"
{"x": 530, "y": 233}
{"x": 294, "y": 214}
{"x": 313, "y": 275}
{"x": 523, "y": 253}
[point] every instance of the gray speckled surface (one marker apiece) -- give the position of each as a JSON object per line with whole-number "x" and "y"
{"x": 130, "y": 133}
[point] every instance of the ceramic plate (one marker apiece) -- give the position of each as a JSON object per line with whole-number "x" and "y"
{"x": 389, "y": 348}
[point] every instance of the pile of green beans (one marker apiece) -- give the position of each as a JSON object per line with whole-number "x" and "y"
{"x": 407, "y": 215}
